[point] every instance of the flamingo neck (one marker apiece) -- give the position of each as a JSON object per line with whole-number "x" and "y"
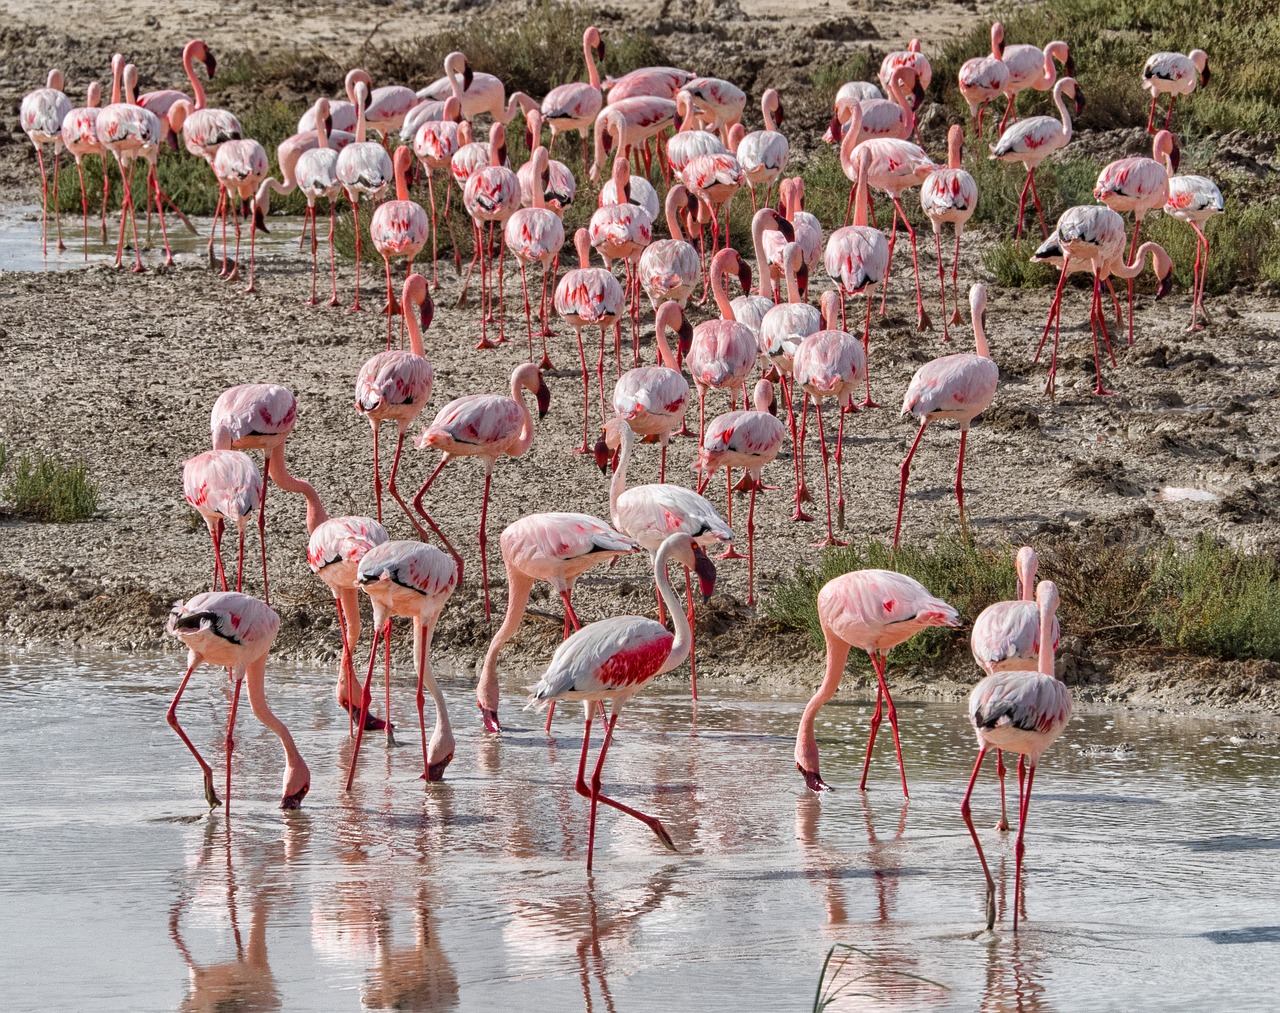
{"x": 665, "y": 355}
{"x": 525, "y": 437}
{"x": 402, "y": 184}
{"x": 1050, "y": 71}
{"x": 673, "y": 214}
{"x": 423, "y": 627}
{"x": 360, "y": 120}
{"x": 117, "y": 69}
{"x": 197, "y": 89}
{"x": 684, "y": 635}
{"x": 953, "y": 150}
{"x": 757, "y": 243}
{"x": 538, "y": 165}
{"x": 861, "y": 198}
{"x": 980, "y": 337}
{"x": 322, "y": 136}
{"x": 721, "y": 292}
{"x": 415, "y": 331}
{"x": 593, "y": 75}
{"x": 1063, "y": 112}
{"x": 789, "y": 271}
{"x": 618, "y": 484}
{"x": 766, "y": 111}
{"x": 1045, "y": 666}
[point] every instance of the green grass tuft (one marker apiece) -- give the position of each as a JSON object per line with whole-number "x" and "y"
{"x": 1010, "y": 264}
{"x": 45, "y": 489}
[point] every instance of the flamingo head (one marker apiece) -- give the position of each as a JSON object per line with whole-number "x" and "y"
{"x": 259, "y": 218}
{"x": 917, "y": 93}
{"x": 684, "y": 335}
{"x": 835, "y": 130}
{"x": 764, "y": 398}
{"x": 323, "y": 115}
{"x": 1047, "y": 596}
{"x": 783, "y": 225}
{"x": 1025, "y": 566}
{"x": 593, "y": 40}
{"x": 197, "y": 50}
{"x": 706, "y": 571}
{"x": 1201, "y": 60}
{"x": 997, "y": 40}
{"x": 1164, "y": 271}
{"x": 415, "y": 293}
{"x": 543, "y": 397}
{"x": 802, "y": 278}
{"x": 452, "y": 109}
{"x": 978, "y": 304}
{"x": 355, "y": 77}
{"x": 178, "y": 113}
{"x": 1070, "y": 87}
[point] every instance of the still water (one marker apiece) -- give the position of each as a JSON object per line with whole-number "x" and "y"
{"x": 1152, "y": 880}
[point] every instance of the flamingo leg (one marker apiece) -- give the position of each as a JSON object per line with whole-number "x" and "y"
{"x": 1008, "y": 109}
{"x": 893, "y": 237}
{"x": 315, "y": 266}
{"x": 44, "y": 202}
{"x": 230, "y": 741}
{"x": 923, "y": 322}
{"x": 867, "y": 402}
{"x": 977, "y": 844}
{"x": 355, "y": 217}
{"x": 84, "y": 210}
{"x": 366, "y": 698}
{"x": 391, "y": 300}
{"x": 942, "y": 279}
{"x": 586, "y": 394}
{"x": 1151, "y": 116}
{"x": 802, "y": 490}
{"x": 826, "y": 475}
{"x": 871, "y": 737}
{"x": 528, "y": 312}
{"x": 877, "y": 661}
{"x": 484, "y": 540}
{"x": 1173, "y": 97}
{"x": 240, "y": 562}
{"x": 171, "y": 716}
{"x": 394, "y": 491}
{"x": 377, "y": 475}
{"x": 1133, "y": 247}
{"x": 215, "y": 534}
{"x": 333, "y": 262}
{"x": 431, "y": 200}
{"x": 164, "y": 232}
{"x": 417, "y": 505}
{"x": 751, "y": 547}
{"x": 1022, "y": 205}
{"x": 346, "y": 670}
{"x": 262, "y": 525}
{"x": 386, "y": 682}
{"x": 1003, "y": 825}
{"x": 839, "y": 456}
{"x": 905, "y": 472}
{"x": 1044, "y": 228}
{"x": 964, "y": 435}
{"x": 1019, "y": 848}
{"x": 1095, "y": 314}
{"x": 955, "y": 280}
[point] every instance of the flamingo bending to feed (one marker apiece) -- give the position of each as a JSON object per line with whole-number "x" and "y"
{"x": 574, "y": 106}
{"x": 224, "y": 485}
{"x": 1173, "y": 74}
{"x": 317, "y": 175}
{"x": 488, "y": 426}
{"x": 983, "y": 78}
{"x": 556, "y": 548}
{"x": 763, "y": 153}
{"x": 41, "y": 116}
{"x": 657, "y": 82}
{"x": 435, "y": 143}
{"x": 670, "y": 268}
{"x": 395, "y": 385}
{"x": 1006, "y": 635}
{"x": 614, "y": 659}
{"x": 233, "y": 631}
{"x": 629, "y": 125}
{"x": 1194, "y": 200}
{"x": 1034, "y": 139}
{"x": 747, "y": 440}
{"x": 718, "y": 101}
{"x": 363, "y": 168}
{"x": 413, "y": 580}
{"x": 1020, "y": 712}
{"x": 334, "y": 552}
{"x": 950, "y": 196}
{"x": 492, "y": 195}
{"x": 875, "y": 610}
{"x": 959, "y": 387}
{"x": 535, "y": 235}
{"x": 652, "y": 513}
{"x": 589, "y": 297}
{"x": 80, "y": 137}
{"x": 399, "y": 228}
{"x": 620, "y": 231}
{"x": 1029, "y": 66}
{"x": 912, "y": 66}
{"x": 651, "y": 399}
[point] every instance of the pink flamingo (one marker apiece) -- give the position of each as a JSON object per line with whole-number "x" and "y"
{"x": 750, "y": 308}
{"x": 1139, "y": 185}
{"x": 126, "y": 131}
{"x": 412, "y": 580}
{"x": 620, "y": 231}
{"x": 670, "y": 268}
{"x": 629, "y": 125}
{"x": 559, "y": 185}
{"x": 639, "y": 191}
{"x": 387, "y": 106}
{"x": 950, "y": 196}
{"x": 556, "y": 548}
{"x": 535, "y": 235}
{"x": 480, "y": 92}
{"x": 492, "y": 195}
{"x": 233, "y": 631}
{"x": 488, "y": 426}
{"x": 574, "y": 106}
{"x": 80, "y": 138}
{"x": 983, "y": 78}
{"x": 316, "y": 172}
{"x": 395, "y": 385}
{"x": 717, "y": 101}
{"x": 1173, "y": 74}
{"x": 912, "y": 66}
{"x": 224, "y": 485}
{"x": 651, "y": 399}
{"x": 1029, "y": 66}
{"x": 435, "y": 144}
{"x": 363, "y": 168}
{"x": 892, "y": 117}
{"x": 41, "y": 116}
{"x": 723, "y": 351}
{"x": 748, "y": 440}
{"x": 875, "y": 610}
{"x": 656, "y": 82}
{"x": 763, "y": 153}
{"x": 399, "y": 228}
{"x": 829, "y": 363}
{"x": 689, "y": 140}
{"x": 240, "y": 167}
{"x": 652, "y": 513}
{"x": 614, "y": 659}
{"x": 1006, "y": 635}
{"x": 341, "y": 112}
{"x": 1194, "y": 200}
{"x": 807, "y": 229}
{"x": 590, "y": 297}
{"x": 1032, "y": 140}
{"x": 713, "y": 180}
{"x": 1020, "y": 712}
{"x": 959, "y": 387}
{"x": 149, "y": 152}
{"x": 849, "y": 94}
{"x": 334, "y": 552}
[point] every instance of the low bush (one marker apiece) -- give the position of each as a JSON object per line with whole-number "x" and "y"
{"x": 44, "y": 488}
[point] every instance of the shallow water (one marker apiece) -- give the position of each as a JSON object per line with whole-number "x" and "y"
{"x": 1151, "y": 881}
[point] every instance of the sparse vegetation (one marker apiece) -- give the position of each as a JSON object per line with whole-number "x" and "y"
{"x": 1009, "y": 261}
{"x": 44, "y": 488}
{"x": 848, "y": 967}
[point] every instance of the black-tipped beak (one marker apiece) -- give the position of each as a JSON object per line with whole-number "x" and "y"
{"x": 294, "y": 801}
{"x": 1070, "y": 65}
{"x": 210, "y": 63}
{"x": 544, "y": 399}
{"x": 982, "y": 321}
{"x": 684, "y": 337}
{"x": 435, "y": 771}
{"x": 676, "y": 122}
{"x": 744, "y": 275}
{"x": 528, "y": 138}
{"x": 259, "y": 222}
{"x": 601, "y": 454}
{"x": 917, "y": 95}
{"x": 467, "y": 76}
{"x": 428, "y": 311}
{"x": 773, "y": 405}
{"x": 787, "y": 229}
{"x": 1166, "y": 286}
{"x": 502, "y": 154}
{"x": 778, "y": 114}
{"x": 836, "y": 128}
{"x": 1176, "y": 156}
{"x": 1204, "y": 75}
{"x": 600, "y": 48}
{"x": 802, "y": 280}
{"x": 328, "y": 123}
{"x": 608, "y": 141}
{"x": 1079, "y": 100}
{"x": 626, "y": 194}
{"x": 706, "y": 571}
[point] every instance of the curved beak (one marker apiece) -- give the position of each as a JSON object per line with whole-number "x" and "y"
{"x": 259, "y": 222}
{"x": 1079, "y": 100}
{"x": 328, "y": 123}
{"x": 467, "y": 76}
{"x": 684, "y": 337}
{"x": 601, "y": 454}
{"x": 1175, "y": 156}
{"x": 836, "y": 129}
{"x": 428, "y": 312}
{"x": 1166, "y": 286}
{"x": 917, "y": 94}
{"x": 210, "y": 63}
{"x": 778, "y": 115}
{"x": 544, "y": 398}
{"x": 788, "y": 231}
{"x": 600, "y": 49}
{"x": 706, "y": 571}
{"x": 744, "y": 275}
{"x": 1204, "y": 75}
{"x": 1070, "y": 65}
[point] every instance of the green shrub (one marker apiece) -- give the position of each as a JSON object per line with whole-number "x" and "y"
{"x": 45, "y": 489}
{"x": 1010, "y": 264}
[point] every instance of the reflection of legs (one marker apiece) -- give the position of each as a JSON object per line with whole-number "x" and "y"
{"x": 693, "y": 634}
{"x": 230, "y": 739}
{"x": 968, "y": 819}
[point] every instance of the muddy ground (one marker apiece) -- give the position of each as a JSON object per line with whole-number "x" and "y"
{"x": 122, "y": 370}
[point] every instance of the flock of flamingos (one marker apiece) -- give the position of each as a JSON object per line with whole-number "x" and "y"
{"x": 689, "y": 128}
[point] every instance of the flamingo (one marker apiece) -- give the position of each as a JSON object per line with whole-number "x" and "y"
{"x": 1029, "y": 66}
{"x": 807, "y": 229}
{"x": 363, "y": 168}
{"x": 959, "y": 387}
{"x": 556, "y": 548}
{"x": 670, "y": 268}
{"x": 124, "y": 130}
{"x": 629, "y": 125}
{"x": 395, "y": 385}
{"x": 912, "y": 66}
{"x": 655, "y": 82}
{"x": 1021, "y": 712}
{"x": 148, "y": 130}
{"x": 334, "y": 552}
{"x": 718, "y": 101}
{"x": 748, "y": 440}
{"x": 652, "y": 513}
{"x": 1194, "y": 200}
{"x": 492, "y": 195}
{"x": 388, "y": 105}
{"x": 612, "y": 660}
{"x": 80, "y": 138}
{"x": 875, "y": 610}
{"x": 399, "y": 228}
{"x": 559, "y": 185}
{"x": 488, "y": 426}
{"x": 341, "y": 112}
{"x": 480, "y": 93}
{"x": 983, "y": 78}
{"x": 1139, "y": 185}
{"x": 1173, "y": 74}
{"x": 535, "y": 235}
{"x": 723, "y": 351}
{"x": 651, "y": 399}
{"x": 1006, "y": 635}
{"x": 1032, "y": 140}
{"x": 713, "y": 180}
{"x": 229, "y": 630}
{"x": 620, "y": 231}
{"x": 413, "y": 580}
{"x": 829, "y": 363}
{"x": 435, "y": 144}
{"x": 316, "y": 172}
{"x": 689, "y": 140}
{"x": 892, "y": 117}
{"x": 41, "y": 115}
{"x": 849, "y": 94}
{"x": 763, "y": 153}
{"x": 574, "y": 106}
{"x": 641, "y": 193}
{"x": 224, "y": 485}
{"x": 750, "y": 308}
{"x": 240, "y": 167}
{"x": 950, "y": 196}
{"x": 589, "y": 297}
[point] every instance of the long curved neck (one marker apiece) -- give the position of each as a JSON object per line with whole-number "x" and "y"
{"x": 721, "y": 293}
{"x": 618, "y": 484}
{"x": 279, "y": 473}
{"x": 604, "y": 125}
{"x": 117, "y": 69}
{"x": 789, "y": 270}
{"x": 197, "y": 89}
{"x": 1050, "y": 71}
{"x": 757, "y": 243}
{"x": 593, "y": 75}
{"x": 455, "y": 82}
{"x": 673, "y": 214}
{"x": 766, "y": 112}
{"x": 1061, "y": 103}
{"x": 255, "y": 678}
{"x": 402, "y": 184}
{"x": 525, "y": 437}
{"x": 665, "y": 355}
{"x": 1134, "y": 268}
{"x": 415, "y": 332}
{"x": 684, "y": 635}
{"x": 1045, "y": 666}
{"x": 954, "y": 141}
{"x": 322, "y": 135}
{"x": 980, "y": 337}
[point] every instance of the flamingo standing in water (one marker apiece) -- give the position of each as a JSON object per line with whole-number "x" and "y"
{"x": 240, "y": 167}
{"x": 363, "y": 168}
{"x": 488, "y": 426}
{"x": 983, "y": 78}
{"x": 651, "y": 399}
{"x": 1194, "y": 200}
{"x": 574, "y": 106}
{"x": 556, "y": 548}
{"x": 748, "y": 440}
{"x": 670, "y": 268}
{"x": 959, "y": 387}
{"x": 435, "y": 143}
{"x": 399, "y": 228}
{"x": 620, "y": 231}
{"x": 614, "y": 659}
{"x": 535, "y": 235}
{"x": 413, "y": 580}
{"x": 317, "y": 174}
{"x": 1032, "y": 140}
{"x": 950, "y": 196}
{"x": 128, "y": 132}
{"x": 875, "y": 610}
{"x": 233, "y": 631}
{"x": 1029, "y": 66}
{"x": 1173, "y": 74}
{"x": 763, "y": 153}
{"x": 41, "y": 116}
{"x": 395, "y": 385}
{"x": 1020, "y": 712}
{"x": 492, "y": 195}
{"x": 334, "y": 552}
{"x": 80, "y": 138}
{"x": 224, "y": 485}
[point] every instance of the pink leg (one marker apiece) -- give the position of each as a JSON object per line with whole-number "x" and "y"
{"x": 942, "y": 279}
{"x": 230, "y": 741}
{"x": 386, "y": 682}
{"x": 751, "y": 548}
{"x": 964, "y": 435}
{"x": 355, "y": 217}
{"x": 923, "y": 322}
{"x": 1022, "y": 206}
{"x": 867, "y": 402}
{"x": 955, "y": 281}
{"x": 1169, "y": 116}
{"x": 877, "y": 661}
{"x": 973, "y": 832}
{"x": 528, "y": 311}
{"x": 586, "y": 393}
{"x": 417, "y": 505}
{"x": 377, "y": 475}
{"x": 1133, "y": 246}
{"x": 1044, "y": 228}
{"x": 310, "y": 213}
{"x": 1151, "y": 116}
{"x": 240, "y": 563}
{"x": 219, "y": 574}
{"x": 1019, "y": 848}
{"x": 84, "y": 209}
{"x": 905, "y": 473}
{"x": 693, "y": 635}
{"x": 262, "y": 525}
{"x": 826, "y": 475}
{"x": 366, "y": 698}
{"x": 484, "y": 542}
{"x": 1096, "y": 314}
{"x": 172, "y": 717}
{"x": 871, "y": 738}
{"x": 802, "y": 490}
{"x": 333, "y": 262}
{"x": 44, "y": 202}
{"x": 1003, "y": 825}
{"x": 893, "y": 236}
{"x": 1008, "y": 109}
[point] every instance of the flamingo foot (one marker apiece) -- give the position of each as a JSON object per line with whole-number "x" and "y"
{"x": 546, "y": 362}
{"x": 372, "y": 723}
{"x": 486, "y": 343}
{"x": 1002, "y": 825}
{"x": 294, "y": 801}
{"x": 868, "y": 403}
{"x": 490, "y": 716}
{"x": 955, "y": 316}
{"x": 813, "y": 781}
{"x": 334, "y": 302}
{"x": 828, "y": 542}
{"x": 800, "y": 515}
{"x": 730, "y": 553}
{"x": 923, "y": 322}
{"x": 210, "y": 795}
